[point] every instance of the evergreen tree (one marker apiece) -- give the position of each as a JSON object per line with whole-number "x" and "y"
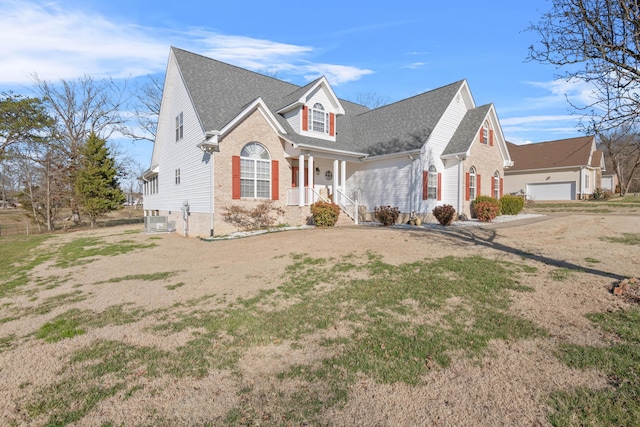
{"x": 96, "y": 185}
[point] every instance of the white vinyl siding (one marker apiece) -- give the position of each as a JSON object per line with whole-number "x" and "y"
{"x": 195, "y": 172}
{"x": 378, "y": 183}
{"x": 322, "y": 97}
{"x": 438, "y": 140}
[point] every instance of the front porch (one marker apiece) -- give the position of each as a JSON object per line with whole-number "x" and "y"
{"x": 324, "y": 180}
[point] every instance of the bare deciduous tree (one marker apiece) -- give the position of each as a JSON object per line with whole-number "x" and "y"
{"x": 146, "y": 98}
{"x": 81, "y": 107}
{"x": 371, "y": 100}
{"x": 623, "y": 148}
{"x": 597, "y": 42}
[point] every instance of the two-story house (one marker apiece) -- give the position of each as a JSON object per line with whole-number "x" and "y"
{"x": 229, "y": 136}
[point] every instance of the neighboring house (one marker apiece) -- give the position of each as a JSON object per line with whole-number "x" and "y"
{"x": 609, "y": 183}
{"x": 228, "y": 136}
{"x": 566, "y": 169}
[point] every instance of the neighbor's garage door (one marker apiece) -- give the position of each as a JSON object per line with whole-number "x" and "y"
{"x": 552, "y": 191}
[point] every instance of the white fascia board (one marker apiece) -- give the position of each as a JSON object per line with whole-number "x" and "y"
{"x": 259, "y": 105}
{"x": 301, "y": 101}
{"x": 501, "y": 140}
{"x": 559, "y": 168}
{"x": 466, "y": 94}
{"x": 456, "y": 155}
{"x": 416, "y": 152}
{"x": 152, "y": 171}
{"x": 324, "y": 150}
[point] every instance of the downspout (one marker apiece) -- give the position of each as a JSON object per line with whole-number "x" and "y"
{"x": 412, "y": 191}
{"x": 460, "y": 159}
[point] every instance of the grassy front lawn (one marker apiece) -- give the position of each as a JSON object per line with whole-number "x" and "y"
{"x": 358, "y": 315}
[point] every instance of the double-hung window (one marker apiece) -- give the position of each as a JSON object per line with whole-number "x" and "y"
{"x": 496, "y": 185}
{"x": 179, "y": 126}
{"x": 255, "y": 171}
{"x": 472, "y": 183}
{"x": 318, "y": 119}
{"x": 432, "y": 183}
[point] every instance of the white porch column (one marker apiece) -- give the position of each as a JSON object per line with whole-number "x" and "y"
{"x": 311, "y": 173}
{"x": 301, "y": 180}
{"x": 343, "y": 177}
{"x": 336, "y": 172}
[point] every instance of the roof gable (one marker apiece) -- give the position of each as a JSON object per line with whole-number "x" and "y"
{"x": 219, "y": 100}
{"x": 572, "y": 152}
{"x": 466, "y": 132}
{"x": 404, "y": 125}
{"x": 301, "y": 96}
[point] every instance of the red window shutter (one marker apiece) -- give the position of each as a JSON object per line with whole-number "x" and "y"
{"x": 332, "y": 124}
{"x": 275, "y": 181}
{"x": 425, "y": 185}
{"x": 491, "y": 137}
{"x": 501, "y": 186}
{"x": 439, "y": 186}
{"x": 482, "y": 135}
{"x": 467, "y": 186}
{"x": 493, "y": 184}
{"x": 235, "y": 177}
{"x": 305, "y": 118}
{"x": 478, "y": 185}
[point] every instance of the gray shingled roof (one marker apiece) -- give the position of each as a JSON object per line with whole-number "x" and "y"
{"x": 220, "y": 91}
{"x": 404, "y": 125}
{"x": 466, "y": 131}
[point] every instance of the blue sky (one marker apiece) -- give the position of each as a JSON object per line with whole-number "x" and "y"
{"x": 393, "y": 50}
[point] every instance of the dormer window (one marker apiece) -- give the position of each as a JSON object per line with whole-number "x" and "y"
{"x": 318, "y": 119}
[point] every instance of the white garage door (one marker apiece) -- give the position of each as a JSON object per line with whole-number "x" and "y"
{"x": 552, "y": 191}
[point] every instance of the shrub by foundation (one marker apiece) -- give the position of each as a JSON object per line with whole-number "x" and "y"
{"x": 511, "y": 205}
{"x": 386, "y": 214}
{"x": 485, "y": 211}
{"x": 444, "y": 214}
{"x": 325, "y": 214}
{"x": 489, "y": 199}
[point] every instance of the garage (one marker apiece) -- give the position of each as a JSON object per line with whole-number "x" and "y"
{"x": 552, "y": 191}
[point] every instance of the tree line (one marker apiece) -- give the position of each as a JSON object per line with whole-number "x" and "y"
{"x": 54, "y": 152}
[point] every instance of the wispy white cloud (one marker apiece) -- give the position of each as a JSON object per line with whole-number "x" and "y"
{"x": 58, "y": 43}
{"x": 514, "y": 121}
{"x": 415, "y": 65}
{"x": 274, "y": 57}
{"x": 54, "y": 43}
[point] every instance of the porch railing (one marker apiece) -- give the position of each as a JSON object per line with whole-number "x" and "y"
{"x": 348, "y": 206}
{"x": 311, "y": 195}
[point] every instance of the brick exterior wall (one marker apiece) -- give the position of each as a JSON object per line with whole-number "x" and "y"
{"x": 487, "y": 160}
{"x": 253, "y": 128}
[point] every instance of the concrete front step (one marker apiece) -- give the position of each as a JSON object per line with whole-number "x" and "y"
{"x": 344, "y": 220}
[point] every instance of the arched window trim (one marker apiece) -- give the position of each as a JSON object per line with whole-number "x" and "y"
{"x": 318, "y": 118}
{"x": 473, "y": 190}
{"x": 255, "y": 171}
{"x": 496, "y": 185}
{"x": 432, "y": 183}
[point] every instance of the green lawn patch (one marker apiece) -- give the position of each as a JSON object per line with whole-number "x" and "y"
{"x": 619, "y": 405}
{"x": 402, "y": 321}
{"x": 626, "y": 239}
{"x": 84, "y": 250}
{"x": 17, "y": 258}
